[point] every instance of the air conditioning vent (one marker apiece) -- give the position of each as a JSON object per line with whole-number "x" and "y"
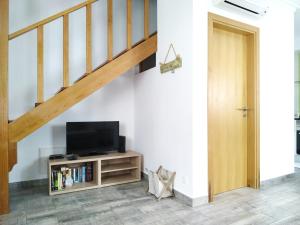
{"x": 249, "y": 6}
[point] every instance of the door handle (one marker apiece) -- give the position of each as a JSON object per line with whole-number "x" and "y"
{"x": 244, "y": 109}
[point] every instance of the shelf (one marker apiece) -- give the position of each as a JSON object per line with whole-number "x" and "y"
{"x": 118, "y": 179}
{"x": 76, "y": 187}
{"x": 111, "y": 169}
{"x": 118, "y": 167}
{"x": 61, "y": 162}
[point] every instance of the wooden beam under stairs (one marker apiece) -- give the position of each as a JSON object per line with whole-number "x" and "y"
{"x": 48, "y": 110}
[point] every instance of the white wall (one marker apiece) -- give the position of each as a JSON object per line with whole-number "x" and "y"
{"x": 297, "y": 43}
{"x": 297, "y": 78}
{"x": 165, "y": 104}
{"x": 113, "y": 102}
{"x": 297, "y": 30}
{"x": 163, "y": 112}
{"x": 297, "y": 85}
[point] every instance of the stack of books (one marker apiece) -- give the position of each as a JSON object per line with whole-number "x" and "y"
{"x": 67, "y": 176}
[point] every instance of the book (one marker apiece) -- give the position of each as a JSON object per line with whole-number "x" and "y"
{"x": 74, "y": 174}
{"x": 55, "y": 181}
{"x": 92, "y": 172}
{"x": 59, "y": 181}
{"x": 79, "y": 174}
{"x": 52, "y": 181}
{"x": 83, "y": 168}
{"x": 89, "y": 172}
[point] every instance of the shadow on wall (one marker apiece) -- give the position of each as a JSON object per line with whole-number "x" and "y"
{"x": 58, "y": 135}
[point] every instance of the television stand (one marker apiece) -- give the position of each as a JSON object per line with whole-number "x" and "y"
{"x": 93, "y": 154}
{"x": 100, "y": 171}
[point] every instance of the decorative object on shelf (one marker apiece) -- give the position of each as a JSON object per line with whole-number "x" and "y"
{"x": 69, "y": 180}
{"x": 172, "y": 65}
{"x": 161, "y": 183}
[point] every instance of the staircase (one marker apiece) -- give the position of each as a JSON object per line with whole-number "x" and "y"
{"x": 70, "y": 94}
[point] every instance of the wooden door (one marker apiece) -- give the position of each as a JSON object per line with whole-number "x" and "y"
{"x": 228, "y": 96}
{"x": 233, "y": 105}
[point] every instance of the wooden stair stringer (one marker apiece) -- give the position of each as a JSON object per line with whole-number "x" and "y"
{"x": 12, "y": 155}
{"x": 42, "y": 114}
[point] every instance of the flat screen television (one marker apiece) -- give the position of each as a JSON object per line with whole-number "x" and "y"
{"x": 92, "y": 138}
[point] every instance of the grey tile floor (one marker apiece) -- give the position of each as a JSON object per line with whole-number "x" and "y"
{"x": 130, "y": 205}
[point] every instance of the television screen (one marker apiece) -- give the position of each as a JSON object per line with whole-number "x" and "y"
{"x": 86, "y": 138}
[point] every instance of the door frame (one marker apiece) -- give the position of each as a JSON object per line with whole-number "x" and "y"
{"x": 253, "y": 143}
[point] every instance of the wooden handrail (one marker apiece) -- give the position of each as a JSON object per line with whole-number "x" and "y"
{"x": 49, "y": 19}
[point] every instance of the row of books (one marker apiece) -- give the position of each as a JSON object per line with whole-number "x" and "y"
{"x": 66, "y": 176}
